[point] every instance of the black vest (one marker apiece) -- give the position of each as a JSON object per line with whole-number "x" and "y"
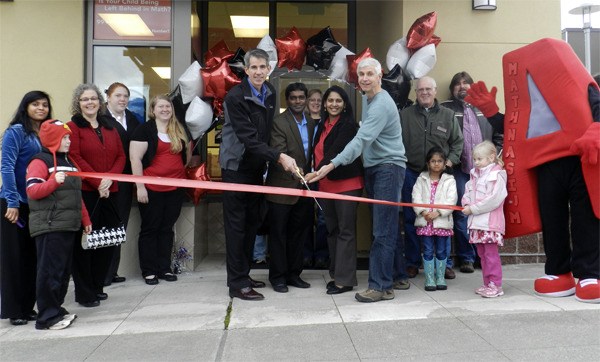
{"x": 61, "y": 210}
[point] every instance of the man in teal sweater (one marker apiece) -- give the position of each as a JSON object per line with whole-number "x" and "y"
{"x": 379, "y": 140}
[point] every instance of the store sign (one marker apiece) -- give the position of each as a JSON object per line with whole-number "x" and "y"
{"x": 132, "y": 20}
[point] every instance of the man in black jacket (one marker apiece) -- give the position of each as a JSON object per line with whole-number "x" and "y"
{"x": 244, "y": 153}
{"x": 475, "y": 128}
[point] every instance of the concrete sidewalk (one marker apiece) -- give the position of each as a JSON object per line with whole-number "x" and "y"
{"x": 186, "y": 320}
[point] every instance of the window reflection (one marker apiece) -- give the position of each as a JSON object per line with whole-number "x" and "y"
{"x": 133, "y": 66}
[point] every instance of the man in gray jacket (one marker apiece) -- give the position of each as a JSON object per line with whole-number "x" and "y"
{"x": 424, "y": 125}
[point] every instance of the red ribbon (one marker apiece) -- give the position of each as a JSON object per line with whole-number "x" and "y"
{"x": 224, "y": 186}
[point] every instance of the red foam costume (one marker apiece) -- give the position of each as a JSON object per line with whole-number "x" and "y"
{"x": 551, "y": 144}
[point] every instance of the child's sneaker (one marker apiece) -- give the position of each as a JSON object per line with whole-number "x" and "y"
{"x": 492, "y": 291}
{"x": 588, "y": 291}
{"x": 481, "y": 289}
{"x": 561, "y": 285}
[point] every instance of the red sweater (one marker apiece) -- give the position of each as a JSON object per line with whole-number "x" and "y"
{"x": 91, "y": 155}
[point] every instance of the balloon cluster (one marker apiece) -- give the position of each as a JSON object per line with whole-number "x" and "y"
{"x": 415, "y": 53}
{"x": 411, "y": 57}
{"x": 204, "y": 89}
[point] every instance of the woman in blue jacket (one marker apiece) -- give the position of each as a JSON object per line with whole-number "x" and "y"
{"x": 20, "y": 143}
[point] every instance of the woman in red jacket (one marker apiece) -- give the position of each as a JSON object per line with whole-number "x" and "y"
{"x": 95, "y": 147}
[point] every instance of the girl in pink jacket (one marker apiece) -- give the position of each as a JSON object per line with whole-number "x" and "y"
{"x": 483, "y": 202}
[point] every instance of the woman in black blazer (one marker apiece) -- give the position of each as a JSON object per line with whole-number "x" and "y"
{"x": 336, "y": 129}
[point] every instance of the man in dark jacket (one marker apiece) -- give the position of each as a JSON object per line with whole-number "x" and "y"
{"x": 290, "y": 217}
{"x": 475, "y": 128}
{"x": 244, "y": 152}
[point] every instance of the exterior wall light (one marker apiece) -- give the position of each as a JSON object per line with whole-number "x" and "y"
{"x": 484, "y": 4}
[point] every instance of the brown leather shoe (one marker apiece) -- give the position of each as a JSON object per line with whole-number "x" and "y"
{"x": 246, "y": 294}
{"x": 412, "y": 271}
{"x": 256, "y": 283}
{"x": 449, "y": 273}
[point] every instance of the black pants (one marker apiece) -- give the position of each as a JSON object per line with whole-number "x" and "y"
{"x": 54, "y": 254}
{"x": 563, "y": 193}
{"x": 124, "y": 200}
{"x": 289, "y": 227}
{"x": 90, "y": 267}
{"x": 243, "y": 213}
{"x": 155, "y": 243}
{"x": 18, "y": 265}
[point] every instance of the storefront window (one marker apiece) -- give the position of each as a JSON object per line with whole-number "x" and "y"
{"x": 132, "y": 20}
{"x": 250, "y": 19}
{"x": 274, "y": 18}
{"x": 144, "y": 70}
{"x": 310, "y": 18}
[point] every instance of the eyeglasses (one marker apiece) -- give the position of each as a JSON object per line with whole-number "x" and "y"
{"x": 424, "y": 90}
{"x": 296, "y": 98}
{"x": 84, "y": 100}
{"x": 314, "y": 100}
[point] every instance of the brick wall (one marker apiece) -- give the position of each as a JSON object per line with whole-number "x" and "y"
{"x": 524, "y": 249}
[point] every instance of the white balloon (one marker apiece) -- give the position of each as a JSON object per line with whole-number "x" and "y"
{"x": 198, "y": 117}
{"x": 339, "y": 64}
{"x": 190, "y": 83}
{"x": 267, "y": 44}
{"x": 398, "y": 53}
{"x": 422, "y": 61}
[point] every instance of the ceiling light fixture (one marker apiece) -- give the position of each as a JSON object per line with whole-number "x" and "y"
{"x": 127, "y": 24}
{"x": 250, "y": 26}
{"x": 163, "y": 72}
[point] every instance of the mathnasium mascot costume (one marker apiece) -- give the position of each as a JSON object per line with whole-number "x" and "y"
{"x": 551, "y": 151}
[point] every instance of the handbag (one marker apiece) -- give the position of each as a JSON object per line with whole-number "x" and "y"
{"x": 106, "y": 236}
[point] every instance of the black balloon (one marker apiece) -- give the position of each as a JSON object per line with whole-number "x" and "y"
{"x": 236, "y": 63}
{"x": 321, "y": 48}
{"x": 397, "y": 84}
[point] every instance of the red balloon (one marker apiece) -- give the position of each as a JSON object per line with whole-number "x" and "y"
{"x": 291, "y": 50}
{"x": 421, "y": 31}
{"x": 197, "y": 173}
{"x": 353, "y": 61}
{"x": 217, "y": 54}
{"x": 217, "y": 82}
{"x": 435, "y": 40}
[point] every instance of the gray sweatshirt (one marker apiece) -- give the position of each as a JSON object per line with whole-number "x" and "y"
{"x": 379, "y": 138}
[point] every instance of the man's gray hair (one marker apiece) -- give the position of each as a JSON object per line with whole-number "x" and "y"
{"x": 256, "y": 53}
{"x": 425, "y": 79}
{"x": 370, "y": 62}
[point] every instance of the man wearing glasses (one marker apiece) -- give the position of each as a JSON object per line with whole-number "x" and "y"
{"x": 424, "y": 125}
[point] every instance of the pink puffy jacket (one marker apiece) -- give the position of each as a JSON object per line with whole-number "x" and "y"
{"x": 485, "y": 193}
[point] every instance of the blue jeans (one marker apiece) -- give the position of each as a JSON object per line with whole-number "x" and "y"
{"x": 411, "y": 240}
{"x": 260, "y": 247}
{"x": 435, "y": 242}
{"x": 464, "y": 250}
{"x": 383, "y": 182}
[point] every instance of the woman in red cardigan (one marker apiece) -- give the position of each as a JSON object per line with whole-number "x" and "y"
{"x": 95, "y": 147}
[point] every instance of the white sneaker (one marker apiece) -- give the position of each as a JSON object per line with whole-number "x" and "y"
{"x": 62, "y": 324}
{"x": 70, "y": 317}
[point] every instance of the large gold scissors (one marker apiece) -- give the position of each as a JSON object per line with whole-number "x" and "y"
{"x": 308, "y": 188}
